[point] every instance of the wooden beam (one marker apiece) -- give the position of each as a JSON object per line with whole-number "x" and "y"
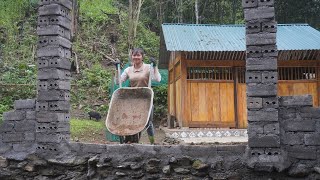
{"x": 219, "y": 55}
{"x": 209, "y": 81}
{"x": 299, "y": 81}
{"x": 207, "y": 55}
{"x": 170, "y": 66}
{"x": 185, "y": 101}
{"x": 210, "y": 63}
{"x": 233, "y": 55}
{"x": 318, "y": 83}
{"x": 297, "y": 63}
{"x": 214, "y": 55}
{"x": 235, "y": 77}
{"x": 243, "y": 57}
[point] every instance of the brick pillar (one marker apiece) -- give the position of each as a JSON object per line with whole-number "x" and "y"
{"x": 53, "y": 59}
{"x": 261, "y": 81}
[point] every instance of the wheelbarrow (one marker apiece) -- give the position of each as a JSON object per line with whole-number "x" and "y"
{"x": 129, "y": 111}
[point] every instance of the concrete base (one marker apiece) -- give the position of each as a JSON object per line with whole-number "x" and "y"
{"x": 207, "y": 135}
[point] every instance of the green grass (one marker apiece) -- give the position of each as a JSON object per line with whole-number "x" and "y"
{"x": 87, "y": 130}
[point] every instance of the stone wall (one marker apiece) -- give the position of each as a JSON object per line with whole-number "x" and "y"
{"x": 17, "y": 132}
{"x": 300, "y": 133}
{"x": 94, "y": 161}
{"x": 284, "y": 134}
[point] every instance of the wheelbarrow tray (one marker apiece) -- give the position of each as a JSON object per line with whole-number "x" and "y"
{"x": 129, "y": 110}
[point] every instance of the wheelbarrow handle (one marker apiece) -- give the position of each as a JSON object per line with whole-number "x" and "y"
{"x": 149, "y": 83}
{"x": 119, "y": 75}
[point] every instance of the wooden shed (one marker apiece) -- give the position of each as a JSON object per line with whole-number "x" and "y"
{"x": 206, "y": 64}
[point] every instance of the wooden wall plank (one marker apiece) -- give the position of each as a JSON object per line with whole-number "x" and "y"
{"x": 312, "y": 88}
{"x": 178, "y": 100}
{"x": 210, "y": 99}
{"x": 194, "y": 102}
{"x": 186, "y": 100}
{"x": 242, "y": 105}
{"x": 230, "y": 102}
{"x": 299, "y": 88}
{"x": 203, "y": 111}
{"x": 177, "y": 69}
{"x": 216, "y": 109}
{"x": 224, "y": 102}
{"x": 185, "y": 109}
{"x": 171, "y": 100}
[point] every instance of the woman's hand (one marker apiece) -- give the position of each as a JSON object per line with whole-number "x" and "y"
{"x": 116, "y": 62}
{"x": 153, "y": 61}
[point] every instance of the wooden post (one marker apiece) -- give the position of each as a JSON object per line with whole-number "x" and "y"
{"x": 184, "y": 92}
{"x": 174, "y": 86}
{"x": 169, "y": 90}
{"x": 235, "y": 75}
{"x": 318, "y": 81}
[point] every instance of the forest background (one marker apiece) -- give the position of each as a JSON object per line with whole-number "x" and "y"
{"x": 104, "y": 31}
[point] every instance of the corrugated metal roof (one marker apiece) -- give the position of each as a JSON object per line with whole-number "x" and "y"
{"x": 207, "y": 37}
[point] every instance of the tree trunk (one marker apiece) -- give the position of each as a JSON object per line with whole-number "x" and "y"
{"x": 234, "y": 11}
{"x": 130, "y": 26}
{"x": 180, "y": 11}
{"x": 160, "y": 13}
{"x": 196, "y": 10}
{"x": 134, "y": 13}
{"x": 75, "y": 19}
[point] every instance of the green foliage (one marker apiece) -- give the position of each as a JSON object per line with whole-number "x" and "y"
{"x": 160, "y": 101}
{"x": 296, "y": 11}
{"x": 148, "y": 40}
{"x": 18, "y": 23}
{"x": 19, "y": 73}
{"x": 82, "y": 129}
{"x": 97, "y": 10}
{"x": 94, "y": 30}
{"x": 90, "y": 88}
{"x": 18, "y": 43}
{"x": 145, "y": 39}
{"x": 3, "y": 108}
{"x": 11, "y": 13}
{"x": 93, "y": 86}
{"x": 96, "y": 76}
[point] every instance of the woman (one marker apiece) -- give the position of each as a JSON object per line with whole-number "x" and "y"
{"x": 138, "y": 75}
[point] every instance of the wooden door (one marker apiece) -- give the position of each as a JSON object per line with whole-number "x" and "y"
{"x": 211, "y": 97}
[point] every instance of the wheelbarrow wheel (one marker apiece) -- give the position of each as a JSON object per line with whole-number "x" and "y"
{"x": 132, "y": 139}
{"x": 121, "y": 139}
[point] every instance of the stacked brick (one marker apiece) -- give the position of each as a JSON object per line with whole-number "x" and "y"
{"x": 17, "y": 131}
{"x": 261, "y": 78}
{"x": 300, "y": 129}
{"x": 53, "y": 58}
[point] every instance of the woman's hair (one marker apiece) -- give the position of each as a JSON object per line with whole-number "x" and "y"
{"x": 137, "y": 51}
